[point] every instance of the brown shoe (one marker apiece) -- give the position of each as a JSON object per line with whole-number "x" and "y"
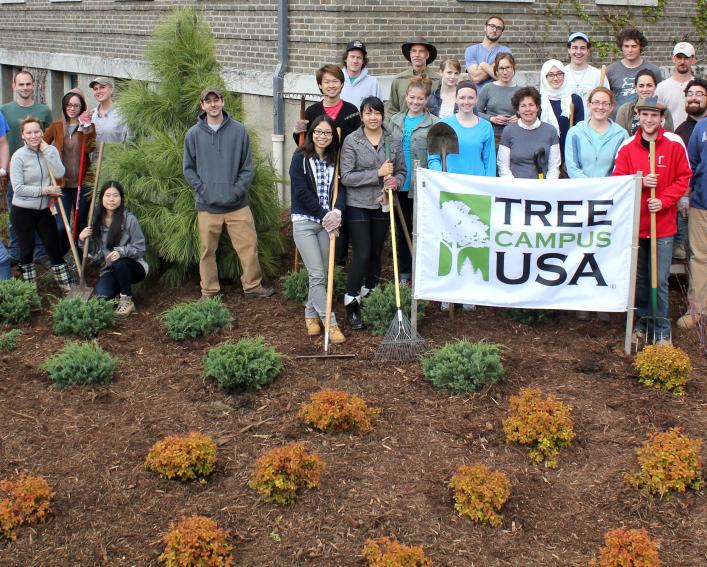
{"x": 336, "y": 337}
{"x": 687, "y": 321}
{"x": 313, "y": 327}
{"x": 260, "y": 291}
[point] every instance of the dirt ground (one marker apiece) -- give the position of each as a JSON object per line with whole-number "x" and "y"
{"x": 91, "y": 443}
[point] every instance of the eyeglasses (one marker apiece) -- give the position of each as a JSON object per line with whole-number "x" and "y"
{"x": 323, "y": 133}
{"x": 602, "y": 104}
{"x": 495, "y": 27}
{"x": 509, "y": 68}
{"x": 73, "y": 106}
{"x": 696, "y": 94}
{"x": 558, "y": 75}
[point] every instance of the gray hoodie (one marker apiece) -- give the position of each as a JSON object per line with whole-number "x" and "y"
{"x": 131, "y": 244}
{"x": 29, "y": 172}
{"x": 218, "y": 165}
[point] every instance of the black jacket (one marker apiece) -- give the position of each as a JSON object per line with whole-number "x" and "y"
{"x": 348, "y": 119}
{"x": 303, "y": 189}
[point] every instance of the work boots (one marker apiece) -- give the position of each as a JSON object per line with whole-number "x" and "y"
{"x": 353, "y": 311}
{"x": 29, "y": 273}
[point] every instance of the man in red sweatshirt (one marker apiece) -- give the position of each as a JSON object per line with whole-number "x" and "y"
{"x": 670, "y": 180}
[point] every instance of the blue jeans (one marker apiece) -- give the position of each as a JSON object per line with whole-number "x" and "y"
{"x": 643, "y": 286}
{"x": 14, "y": 244}
{"x": 5, "y": 273}
{"x": 68, "y": 199}
{"x": 119, "y": 278}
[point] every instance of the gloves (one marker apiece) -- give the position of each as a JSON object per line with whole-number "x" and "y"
{"x": 51, "y": 190}
{"x": 683, "y": 205}
{"x": 332, "y": 220}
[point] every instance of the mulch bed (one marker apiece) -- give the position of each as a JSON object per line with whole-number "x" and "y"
{"x": 91, "y": 443}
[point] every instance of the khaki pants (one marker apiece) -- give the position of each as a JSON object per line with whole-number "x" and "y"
{"x": 241, "y": 229}
{"x": 697, "y": 219}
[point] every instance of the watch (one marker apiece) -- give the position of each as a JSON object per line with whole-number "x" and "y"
{"x": 3, "y": 173}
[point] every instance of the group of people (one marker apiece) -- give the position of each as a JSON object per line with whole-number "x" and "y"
{"x": 581, "y": 122}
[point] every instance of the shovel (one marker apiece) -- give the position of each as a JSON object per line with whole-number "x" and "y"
{"x": 539, "y": 160}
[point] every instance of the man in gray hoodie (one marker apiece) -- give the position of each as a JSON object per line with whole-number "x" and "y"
{"x": 218, "y": 165}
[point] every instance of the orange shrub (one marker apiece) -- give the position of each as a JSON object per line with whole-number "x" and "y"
{"x": 543, "y": 423}
{"x": 665, "y": 367}
{"x": 27, "y": 503}
{"x": 333, "y": 410}
{"x": 387, "y": 552}
{"x": 480, "y": 492}
{"x": 186, "y": 457}
{"x": 669, "y": 461}
{"x": 627, "y": 548}
{"x": 9, "y": 520}
{"x": 281, "y": 472}
{"x": 196, "y": 541}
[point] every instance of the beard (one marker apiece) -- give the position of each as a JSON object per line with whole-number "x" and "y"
{"x": 695, "y": 109}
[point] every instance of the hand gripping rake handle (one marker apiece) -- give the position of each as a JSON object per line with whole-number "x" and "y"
{"x": 90, "y": 212}
{"x": 332, "y": 255}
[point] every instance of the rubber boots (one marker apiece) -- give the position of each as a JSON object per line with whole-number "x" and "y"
{"x": 353, "y": 311}
{"x": 29, "y": 273}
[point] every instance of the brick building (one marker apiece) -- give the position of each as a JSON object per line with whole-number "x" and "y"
{"x": 69, "y": 41}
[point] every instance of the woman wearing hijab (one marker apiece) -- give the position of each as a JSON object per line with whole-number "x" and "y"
{"x": 558, "y": 106}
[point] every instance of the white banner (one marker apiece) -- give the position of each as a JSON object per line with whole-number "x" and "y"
{"x": 540, "y": 244}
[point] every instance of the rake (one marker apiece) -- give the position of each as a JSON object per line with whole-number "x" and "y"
{"x": 401, "y": 341}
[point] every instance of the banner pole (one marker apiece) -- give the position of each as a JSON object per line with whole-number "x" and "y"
{"x": 630, "y": 312}
{"x": 413, "y": 302}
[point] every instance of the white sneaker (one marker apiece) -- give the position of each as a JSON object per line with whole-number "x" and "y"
{"x": 125, "y": 306}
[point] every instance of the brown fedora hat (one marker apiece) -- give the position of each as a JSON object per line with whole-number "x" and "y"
{"x": 420, "y": 40}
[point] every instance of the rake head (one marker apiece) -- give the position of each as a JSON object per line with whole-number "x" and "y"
{"x": 652, "y": 335}
{"x": 401, "y": 342}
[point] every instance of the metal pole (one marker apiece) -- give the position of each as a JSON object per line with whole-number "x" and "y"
{"x": 413, "y": 303}
{"x": 630, "y": 313}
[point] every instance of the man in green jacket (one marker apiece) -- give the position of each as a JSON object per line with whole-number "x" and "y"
{"x": 421, "y": 53}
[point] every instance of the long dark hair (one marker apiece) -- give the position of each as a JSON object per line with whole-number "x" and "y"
{"x": 116, "y": 225}
{"x": 67, "y": 97}
{"x": 331, "y": 151}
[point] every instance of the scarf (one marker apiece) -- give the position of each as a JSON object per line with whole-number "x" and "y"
{"x": 547, "y": 93}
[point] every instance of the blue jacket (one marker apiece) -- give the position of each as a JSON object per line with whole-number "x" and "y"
{"x": 303, "y": 189}
{"x": 697, "y": 151}
{"x": 582, "y": 159}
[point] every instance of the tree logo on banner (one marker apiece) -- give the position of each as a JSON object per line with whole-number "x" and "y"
{"x": 465, "y": 236}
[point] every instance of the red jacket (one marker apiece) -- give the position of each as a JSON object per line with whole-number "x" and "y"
{"x": 673, "y": 169}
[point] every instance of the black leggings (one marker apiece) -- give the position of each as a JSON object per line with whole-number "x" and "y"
{"x": 25, "y": 222}
{"x": 404, "y": 257}
{"x": 368, "y": 229}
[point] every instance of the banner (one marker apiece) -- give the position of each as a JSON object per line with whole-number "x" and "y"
{"x": 541, "y": 244}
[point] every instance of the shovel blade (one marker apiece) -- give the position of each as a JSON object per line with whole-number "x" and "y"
{"x": 442, "y": 139}
{"x": 82, "y": 292}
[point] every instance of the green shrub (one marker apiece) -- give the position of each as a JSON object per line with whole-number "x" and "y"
{"x": 17, "y": 299}
{"x": 80, "y": 363}
{"x": 463, "y": 366}
{"x": 8, "y": 341}
{"x": 195, "y": 318}
{"x": 295, "y": 285}
{"x": 80, "y": 318}
{"x": 379, "y": 307}
{"x": 246, "y": 365}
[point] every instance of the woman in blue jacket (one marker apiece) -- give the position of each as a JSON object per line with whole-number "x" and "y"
{"x": 315, "y": 217}
{"x": 591, "y": 146}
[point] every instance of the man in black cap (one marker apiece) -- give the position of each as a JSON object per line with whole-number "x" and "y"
{"x": 420, "y": 53}
{"x": 358, "y": 84}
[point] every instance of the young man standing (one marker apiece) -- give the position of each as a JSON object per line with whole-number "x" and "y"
{"x": 106, "y": 118}
{"x": 670, "y": 181}
{"x": 695, "y": 108}
{"x": 358, "y": 84}
{"x": 421, "y": 53}
{"x": 671, "y": 91}
{"x": 218, "y": 165}
{"x": 580, "y": 76}
{"x": 480, "y": 57}
{"x": 23, "y": 106}
{"x": 622, "y": 74}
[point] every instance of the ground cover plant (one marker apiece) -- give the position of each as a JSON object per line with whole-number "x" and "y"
{"x": 195, "y": 318}
{"x": 184, "y": 457}
{"x": 480, "y": 492}
{"x": 85, "y": 319}
{"x": 295, "y": 285}
{"x": 18, "y": 299}
{"x": 665, "y": 367}
{"x": 543, "y": 423}
{"x": 463, "y": 366}
{"x": 246, "y": 365}
{"x": 669, "y": 462}
{"x": 80, "y": 363}
{"x": 379, "y": 307}
{"x": 389, "y": 552}
{"x": 334, "y": 411}
{"x": 8, "y": 340}
{"x": 196, "y": 541}
{"x": 627, "y": 548}
{"x": 281, "y": 473}
{"x": 27, "y": 501}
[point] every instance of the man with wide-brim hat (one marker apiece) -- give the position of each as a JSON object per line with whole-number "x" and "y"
{"x": 420, "y": 53}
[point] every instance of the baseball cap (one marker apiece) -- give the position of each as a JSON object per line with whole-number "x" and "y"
{"x": 578, "y": 35}
{"x": 211, "y": 90}
{"x": 684, "y": 48}
{"x": 355, "y": 45}
{"x": 101, "y": 81}
{"x": 650, "y": 103}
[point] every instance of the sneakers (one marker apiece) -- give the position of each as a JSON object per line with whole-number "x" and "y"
{"x": 312, "y": 324}
{"x": 638, "y": 336}
{"x": 336, "y": 337}
{"x": 260, "y": 292}
{"x": 685, "y": 322}
{"x": 679, "y": 252}
{"x": 125, "y": 306}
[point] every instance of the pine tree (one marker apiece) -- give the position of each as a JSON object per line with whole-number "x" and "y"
{"x": 183, "y": 60}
